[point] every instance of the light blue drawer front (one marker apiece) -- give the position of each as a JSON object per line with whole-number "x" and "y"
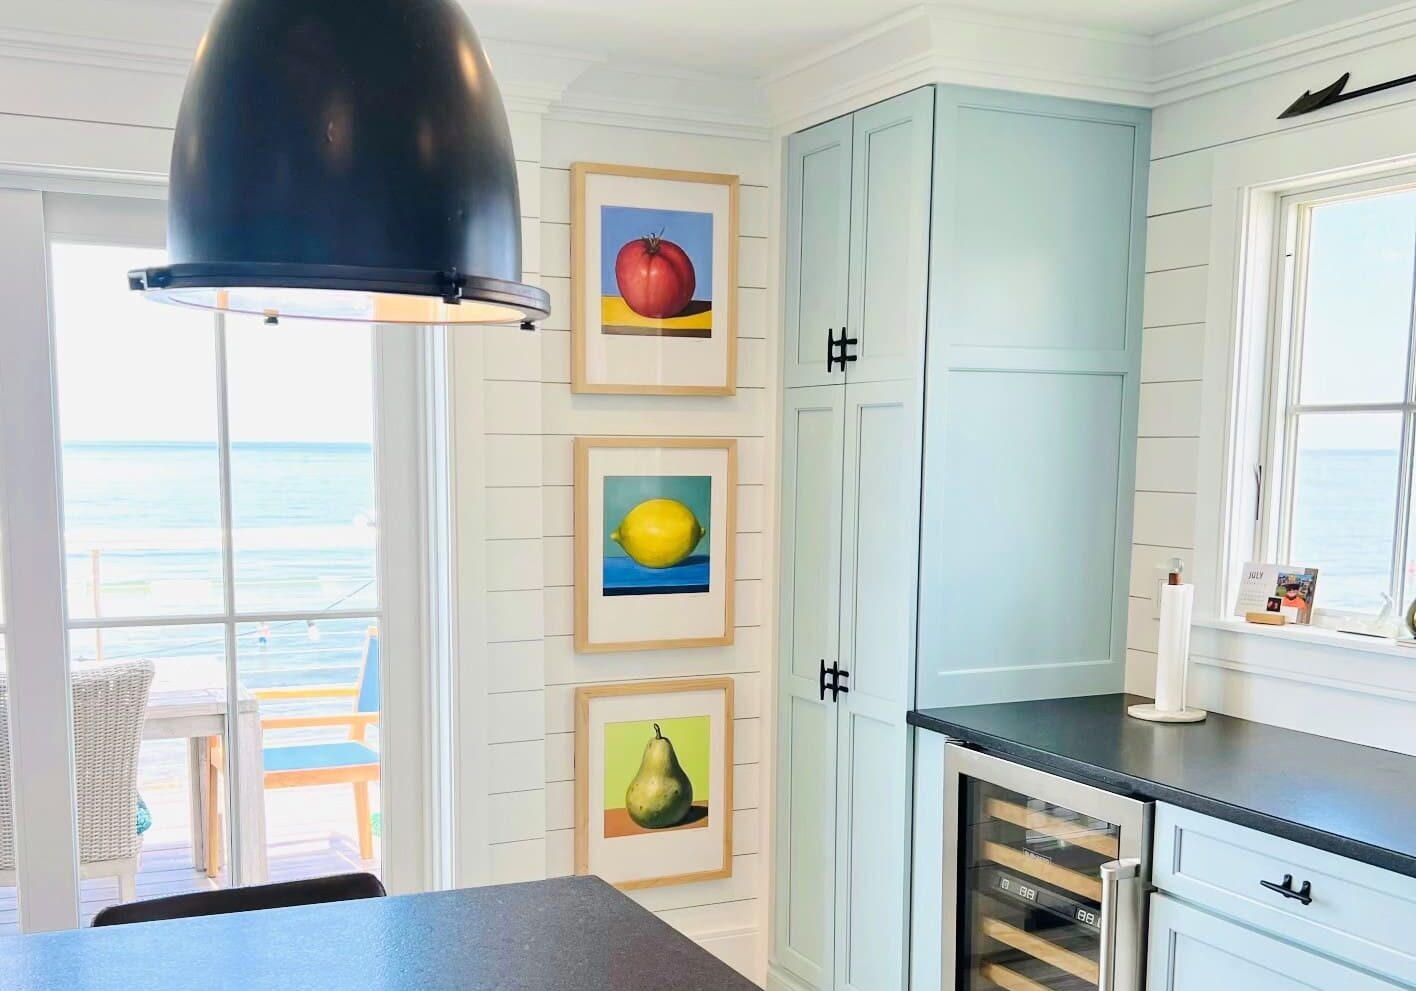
{"x": 1192, "y": 950}
{"x": 1358, "y": 913}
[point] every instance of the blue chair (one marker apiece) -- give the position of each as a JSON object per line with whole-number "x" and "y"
{"x": 350, "y": 761}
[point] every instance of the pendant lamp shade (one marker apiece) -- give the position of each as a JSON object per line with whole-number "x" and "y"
{"x": 344, "y": 160}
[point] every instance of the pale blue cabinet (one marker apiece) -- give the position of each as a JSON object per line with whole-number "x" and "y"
{"x": 849, "y": 545}
{"x": 818, "y": 250}
{"x": 803, "y": 910}
{"x": 1031, "y": 396}
{"x": 954, "y": 517}
{"x": 1356, "y": 913}
{"x": 1194, "y": 950}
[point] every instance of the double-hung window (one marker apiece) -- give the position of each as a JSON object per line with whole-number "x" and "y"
{"x": 1340, "y": 440}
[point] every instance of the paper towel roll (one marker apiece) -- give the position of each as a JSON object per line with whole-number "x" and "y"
{"x": 1177, "y": 602}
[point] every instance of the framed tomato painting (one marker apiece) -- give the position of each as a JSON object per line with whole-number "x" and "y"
{"x": 655, "y": 525}
{"x": 653, "y": 281}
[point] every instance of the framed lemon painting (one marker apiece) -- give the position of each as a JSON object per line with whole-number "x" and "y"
{"x": 653, "y": 281}
{"x": 653, "y": 781}
{"x": 655, "y": 519}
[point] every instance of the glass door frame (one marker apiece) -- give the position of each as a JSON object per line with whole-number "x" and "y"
{"x": 31, "y": 517}
{"x": 1134, "y": 817}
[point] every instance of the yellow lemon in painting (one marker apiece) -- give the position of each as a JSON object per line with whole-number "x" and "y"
{"x": 659, "y": 533}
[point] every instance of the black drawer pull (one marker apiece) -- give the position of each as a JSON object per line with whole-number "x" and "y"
{"x": 1303, "y": 894}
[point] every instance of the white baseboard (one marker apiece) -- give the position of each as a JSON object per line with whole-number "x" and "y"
{"x": 782, "y": 980}
{"x": 736, "y": 947}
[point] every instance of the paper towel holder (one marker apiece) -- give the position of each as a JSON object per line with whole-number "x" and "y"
{"x": 1148, "y": 710}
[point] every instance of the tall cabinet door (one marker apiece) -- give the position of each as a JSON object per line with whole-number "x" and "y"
{"x": 1033, "y": 381}
{"x": 879, "y": 562}
{"x": 812, "y": 425}
{"x": 818, "y": 250}
{"x": 892, "y": 152}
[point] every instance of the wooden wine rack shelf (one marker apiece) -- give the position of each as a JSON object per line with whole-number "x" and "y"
{"x": 1040, "y": 949}
{"x": 1041, "y": 822}
{"x": 1044, "y": 870}
{"x": 1009, "y": 980}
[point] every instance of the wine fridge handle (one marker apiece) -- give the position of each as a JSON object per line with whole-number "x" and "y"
{"x": 1120, "y": 923}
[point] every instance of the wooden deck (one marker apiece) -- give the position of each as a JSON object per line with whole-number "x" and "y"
{"x": 310, "y": 832}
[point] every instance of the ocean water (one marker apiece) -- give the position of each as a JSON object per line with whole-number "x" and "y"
{"x": 146, "y": 519}
{"x": 1345, "y": 514}
{"x": 304, "y": 524}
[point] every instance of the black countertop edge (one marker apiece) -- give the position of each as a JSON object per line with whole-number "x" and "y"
{"x": 1121, "y": 781}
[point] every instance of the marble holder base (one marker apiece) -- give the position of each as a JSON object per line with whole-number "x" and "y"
{"x": 1151, "y": 714}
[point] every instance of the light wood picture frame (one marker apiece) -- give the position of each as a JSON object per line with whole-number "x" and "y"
{"x": 654, "y": 281}
{"x": 693, "y": 717}
{"x": 655, "y": 542}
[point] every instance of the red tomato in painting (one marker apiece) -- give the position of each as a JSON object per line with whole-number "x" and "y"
{"x": 655, "y": 277}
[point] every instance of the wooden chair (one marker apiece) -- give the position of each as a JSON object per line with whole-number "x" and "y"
{"x": 350, "y": 761}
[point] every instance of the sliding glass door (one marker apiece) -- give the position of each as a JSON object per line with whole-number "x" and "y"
{"x": 220, "y": 495}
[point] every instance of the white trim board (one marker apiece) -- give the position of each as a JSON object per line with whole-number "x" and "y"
{"x": 924, "y": 44}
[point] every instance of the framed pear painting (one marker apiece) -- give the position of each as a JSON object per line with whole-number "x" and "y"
{"x": 653, "y": 281}
{"x": 654, "y": 781}
{"x": 655, "y": 519}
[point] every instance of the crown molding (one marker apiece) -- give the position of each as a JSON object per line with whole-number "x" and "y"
{"x": 943, "y": 43}
{"x": 110, "y": 53}
{"x": 1347, "y": 37}
{"x": 929, "y": 43}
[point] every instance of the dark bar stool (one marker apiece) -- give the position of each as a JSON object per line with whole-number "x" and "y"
{"x": 315, "y": 891}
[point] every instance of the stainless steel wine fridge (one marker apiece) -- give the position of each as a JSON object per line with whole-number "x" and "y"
{"x": 1049, "y": 876}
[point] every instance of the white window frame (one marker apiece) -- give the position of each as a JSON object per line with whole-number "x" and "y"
{"x": 1247, "y": 183}
{"x": 413, "y": 613}
{"x": 1273, "y": 534}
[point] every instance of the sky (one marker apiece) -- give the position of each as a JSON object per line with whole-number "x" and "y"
{"x": 1359, "y": 312}
{"x": 130, "y": 369}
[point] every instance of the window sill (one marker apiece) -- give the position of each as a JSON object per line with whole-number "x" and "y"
{"x": 1311, "y": 636}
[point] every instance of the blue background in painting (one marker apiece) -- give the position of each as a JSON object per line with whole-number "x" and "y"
{"x": 623, "y": 577}
{"x": 691, "y": 231}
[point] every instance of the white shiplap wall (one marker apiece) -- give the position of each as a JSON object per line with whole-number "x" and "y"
{"x": 530, "y": 420}
{"x": 1188, "y": 138}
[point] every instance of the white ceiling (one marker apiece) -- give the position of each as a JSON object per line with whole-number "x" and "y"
{"x": 754, "y": 36}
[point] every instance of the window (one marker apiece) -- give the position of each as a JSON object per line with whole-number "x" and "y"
{"x": 218, "y": 525}
{"x": 1340, "y": 443}
{"x": 220, "y": 517}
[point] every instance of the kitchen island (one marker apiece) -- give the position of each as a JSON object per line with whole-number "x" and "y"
{"x": 568, "y": 934}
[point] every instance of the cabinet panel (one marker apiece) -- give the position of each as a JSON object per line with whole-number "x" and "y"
{"x": 1019, "y": 599}
{"x": 811, "y": 527}
{"x": 1191, "y": 950}
{"x": 818, "y": 248}
{"x": 805, "y": 904}
{"x": 880, "y": 542}
{"x": 804, "y": 909}
{"x": 880, "y": 548}
{"x": 872, "y": 864}
{"x": 893, "y": 151}
{"x": 1032, "y": 390}
{"x": 1358, "y": 912}
{"x": 1041, "y": 221}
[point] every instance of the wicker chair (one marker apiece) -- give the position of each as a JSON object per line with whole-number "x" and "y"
{"x": 110, "y": 705}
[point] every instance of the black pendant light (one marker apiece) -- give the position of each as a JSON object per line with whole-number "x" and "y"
{"x": 344, "y": 160}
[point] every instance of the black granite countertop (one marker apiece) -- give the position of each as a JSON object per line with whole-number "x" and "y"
{"x": 1355, "y": 801}
{"x": 569, "y": 934}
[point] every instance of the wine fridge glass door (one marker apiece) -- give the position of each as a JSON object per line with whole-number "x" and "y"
{"x": 1033, "y": 913}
